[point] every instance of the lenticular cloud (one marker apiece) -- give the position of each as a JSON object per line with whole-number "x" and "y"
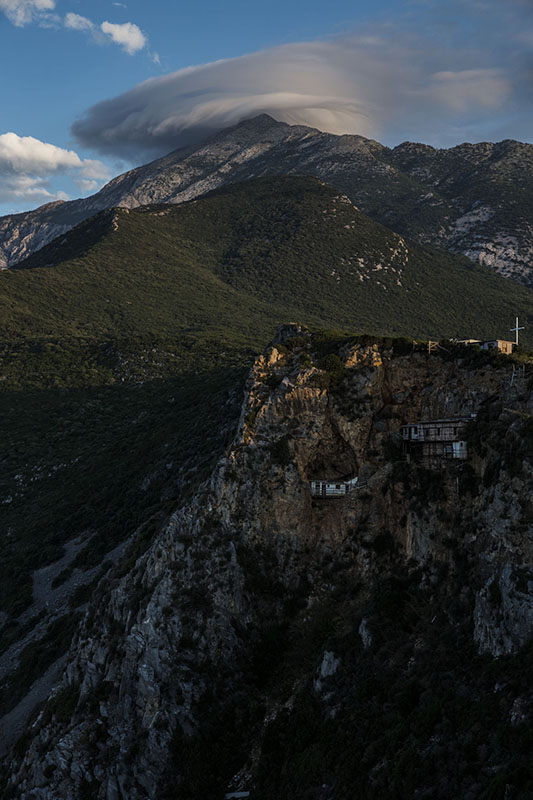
{"x": 363, "y": 85}
{"x": 295, "y": 83}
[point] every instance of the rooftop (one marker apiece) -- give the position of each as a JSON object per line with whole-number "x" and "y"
{"x": 439, "y": 421}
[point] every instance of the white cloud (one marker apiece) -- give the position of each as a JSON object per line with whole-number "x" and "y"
{"x": 27, "y": 164}
{"x": 23, "y": 190}
{"x": 49, "y": 21}
{"x": 21, "y": 12}
{"x": 87, "y": 187}
{"x": 78, "y": 23}
{"x": 95, "y": 170}
{"x": 370, "y": 85}
{"x": 127, "y": 35}
{"x": 27, "y": 154}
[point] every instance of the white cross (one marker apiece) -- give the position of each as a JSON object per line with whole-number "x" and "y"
{"x": 515, "y": 331}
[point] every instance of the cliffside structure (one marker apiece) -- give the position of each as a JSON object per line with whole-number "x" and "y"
{"x": 433, "y": 441}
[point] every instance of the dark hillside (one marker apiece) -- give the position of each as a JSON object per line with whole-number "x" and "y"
{"x": 259, "y": 253}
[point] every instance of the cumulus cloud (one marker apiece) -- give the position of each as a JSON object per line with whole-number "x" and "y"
{"x": 25, "y": 154}
{"x": 78, "y": 23}
{"x": 367, "y": 85}
{"x": 27, "y": 164}
{"x": 21, "y": 12}
{"x": 127, "y": 35}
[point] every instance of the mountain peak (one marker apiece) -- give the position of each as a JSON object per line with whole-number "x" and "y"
{"x": 262, "y": 123}
{"x": 259, "y": 121}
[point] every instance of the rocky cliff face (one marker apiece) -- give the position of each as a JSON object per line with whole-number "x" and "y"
{"x": 485, "y": 189}
{"x": 472, "y": 199}
{"x": 262, "y": 623}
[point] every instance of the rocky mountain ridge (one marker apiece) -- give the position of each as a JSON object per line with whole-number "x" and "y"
{"x": 471, "y": 199}
{"x": 259, "y": 619}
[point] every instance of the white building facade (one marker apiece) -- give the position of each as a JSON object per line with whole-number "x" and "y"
{"x": 337, "y": 488}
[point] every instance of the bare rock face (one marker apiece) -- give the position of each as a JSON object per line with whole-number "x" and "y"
{"x": 471, "y": 199}
{"x": 503, "y": 612}
{"x": 180, "y": 628}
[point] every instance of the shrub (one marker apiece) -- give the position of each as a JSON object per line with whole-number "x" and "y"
{"x": 295, "y": 342}
{"x": 333, "y": 365}
{"x": 273, "y": 381}
{"x": 392, "y": 450}
{"x": 495, "y": 595}
{"x": 384, "y": 543}
{"x": 281, "y": 452}
{"x": 63, "y": 704}
{"x": 62, "y": 577}
{"x": 402, "y": 346}
{"x": 468, "y": 481}
{"x": 321, "y": 380}
{"x": 250, "y": 418}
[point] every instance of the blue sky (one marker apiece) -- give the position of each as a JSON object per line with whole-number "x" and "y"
{"x": 75, "y": 110}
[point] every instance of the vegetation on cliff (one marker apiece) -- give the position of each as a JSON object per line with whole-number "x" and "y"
{"x": 124, "y": 358}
